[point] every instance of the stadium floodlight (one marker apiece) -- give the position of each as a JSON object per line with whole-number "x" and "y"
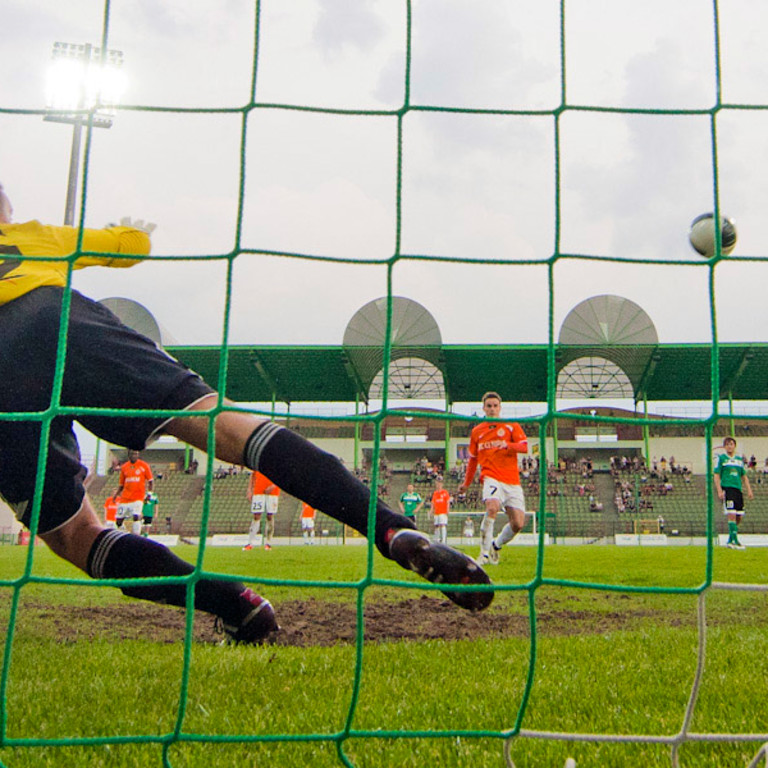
{"x": 84, "y": 86}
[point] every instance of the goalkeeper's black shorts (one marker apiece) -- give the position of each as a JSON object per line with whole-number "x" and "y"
{"x": 107, "y": 365}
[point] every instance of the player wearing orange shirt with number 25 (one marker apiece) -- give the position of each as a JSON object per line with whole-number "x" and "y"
{"x": 494, "y": 446}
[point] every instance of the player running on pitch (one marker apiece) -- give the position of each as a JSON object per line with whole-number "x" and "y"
{"x": 494, "y": 446}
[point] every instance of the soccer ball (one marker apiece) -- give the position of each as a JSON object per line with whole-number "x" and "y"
{"x": 702, "y": 235}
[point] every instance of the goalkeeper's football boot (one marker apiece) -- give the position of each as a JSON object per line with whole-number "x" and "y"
{"x": 258, "y": 623}
{"x": 440, "y": 564}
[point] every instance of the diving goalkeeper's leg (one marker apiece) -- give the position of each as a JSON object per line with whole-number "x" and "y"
{"x": 321, "y": 480}
{"x": 114, "y": 554}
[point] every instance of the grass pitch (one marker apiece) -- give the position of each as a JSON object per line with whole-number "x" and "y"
{"x": 611, "y": 659}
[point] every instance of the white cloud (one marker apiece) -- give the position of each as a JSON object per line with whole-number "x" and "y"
{"x": 344, "y": 23}
{"x": 499, "y": 54}
{"x": 472, "y": 186}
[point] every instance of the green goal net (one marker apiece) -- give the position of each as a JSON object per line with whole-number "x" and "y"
{"x": 340, "y": 745}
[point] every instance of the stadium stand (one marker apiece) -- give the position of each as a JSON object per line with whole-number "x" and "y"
{"x": 581, "y": 503}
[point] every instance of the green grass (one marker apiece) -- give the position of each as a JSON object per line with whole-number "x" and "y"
{"x": 628, "y": 669}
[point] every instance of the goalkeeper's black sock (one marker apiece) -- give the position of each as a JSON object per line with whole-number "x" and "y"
{"x": 121, "y": 555}
{"x": 320, "y": 479}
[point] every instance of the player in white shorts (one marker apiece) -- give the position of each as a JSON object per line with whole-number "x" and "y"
{"x": 507, "y": 494}
{"x": 494, "y": 446}
{"x": 441, "y": 504}
{"x": 308, "y": 523}
{"x": 128, "y": 510}
{"x": 264, "y": 496}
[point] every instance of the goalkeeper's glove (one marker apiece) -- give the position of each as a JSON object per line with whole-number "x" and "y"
{"x": 148, "y": 227}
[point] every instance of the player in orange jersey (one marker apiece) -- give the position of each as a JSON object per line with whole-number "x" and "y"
{"x": 136, "y": 481}
{"x": 264, "y": 496}
{"x": 494, "y": 446}
{"x": 308, "y": 523}
{"x": 441, "y": 503}
{"x": 110, "y": 512}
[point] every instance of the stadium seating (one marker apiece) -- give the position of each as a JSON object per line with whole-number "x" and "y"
{"x": 569, "y": 512}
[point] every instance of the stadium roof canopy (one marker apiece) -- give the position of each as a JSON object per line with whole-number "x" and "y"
{"x": 655, "y": 372}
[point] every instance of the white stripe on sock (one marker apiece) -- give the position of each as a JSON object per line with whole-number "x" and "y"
{"x": 258, "y": 441}
{"x": 102, "y": 552}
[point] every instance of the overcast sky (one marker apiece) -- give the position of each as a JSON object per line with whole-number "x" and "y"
{"x": 473, "y": 186}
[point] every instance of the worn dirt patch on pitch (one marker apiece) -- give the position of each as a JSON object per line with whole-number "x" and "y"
{"x": 318, "y": 623}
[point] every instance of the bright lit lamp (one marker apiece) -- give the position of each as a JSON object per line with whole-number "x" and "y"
{"x": 83, "y": 87}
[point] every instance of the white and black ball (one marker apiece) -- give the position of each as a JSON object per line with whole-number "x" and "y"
{"x": 702, "y": 235}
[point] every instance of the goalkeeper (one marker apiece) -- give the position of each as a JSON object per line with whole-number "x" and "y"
{"x": 110, "y": 366}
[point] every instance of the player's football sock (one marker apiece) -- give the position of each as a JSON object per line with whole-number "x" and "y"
{"x": 505, "y": 536}
{"x": 136, "y": 527}
{"x": 253, "y": 533}
{"x": 733, "y": 532}
{"x": 486, "y": 533}
{"x": 320, "y": 479}
{"x": 121, "y": 555}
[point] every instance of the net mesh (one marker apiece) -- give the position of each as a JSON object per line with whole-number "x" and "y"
{"x": 543, "y": 424}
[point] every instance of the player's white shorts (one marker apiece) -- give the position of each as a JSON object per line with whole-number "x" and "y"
{"x": 261, "y": 504}
{"x": 441, "y": 519}
{"x": 307, "y": 523}
{"x": 508, "y": 495}
{"x": 130, "y": 509}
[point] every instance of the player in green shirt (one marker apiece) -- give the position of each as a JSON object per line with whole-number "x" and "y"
{"x": 148, "y": 512}
{"x": 729, "y": 474}
{"x": 410, "y": 503}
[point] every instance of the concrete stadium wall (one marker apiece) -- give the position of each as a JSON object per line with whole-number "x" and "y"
{"x": 342, "y": 447}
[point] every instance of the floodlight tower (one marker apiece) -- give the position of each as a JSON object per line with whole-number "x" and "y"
{"x": 82, "y": 78}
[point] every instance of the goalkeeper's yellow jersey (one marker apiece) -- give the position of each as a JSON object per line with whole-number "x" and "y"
{"x": 19, "y": 275}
